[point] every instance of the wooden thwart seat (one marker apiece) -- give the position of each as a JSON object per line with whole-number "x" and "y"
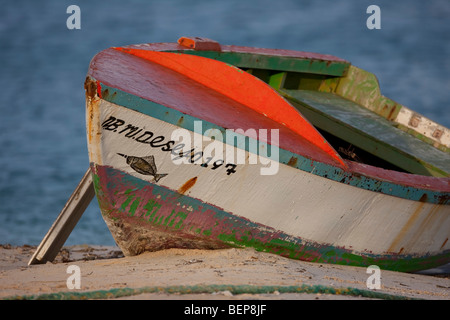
{"x": 365, "y": 129}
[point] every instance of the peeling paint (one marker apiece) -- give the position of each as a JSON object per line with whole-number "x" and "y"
{"x": 316, "y": 209}
{"x": 163, "y": 223}
{"x": 187, "y": 185}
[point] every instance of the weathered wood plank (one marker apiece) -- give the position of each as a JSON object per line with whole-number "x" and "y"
{"x": 369, "y": 131}
{"x": 278, "y": 63}
{"x": 362, "y": 87}
{"x": 66, "y": 221}
{"x": 255, "y": 58}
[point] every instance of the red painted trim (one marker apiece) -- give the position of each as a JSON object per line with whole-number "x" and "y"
{"x": 99, "y": 89}
{"x": 171, "y": 46}
{"x": 199, "y": 44}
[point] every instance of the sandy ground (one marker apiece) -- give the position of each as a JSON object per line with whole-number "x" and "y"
{"x": 150, "y": 274}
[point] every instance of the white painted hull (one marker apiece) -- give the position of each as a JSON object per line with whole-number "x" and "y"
{"x": 297, "y": 203}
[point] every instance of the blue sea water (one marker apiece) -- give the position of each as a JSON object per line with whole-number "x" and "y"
{"x": 43, "y": 65}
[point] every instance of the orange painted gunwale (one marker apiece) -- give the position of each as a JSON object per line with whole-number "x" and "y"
{"x": 242, "y": 87}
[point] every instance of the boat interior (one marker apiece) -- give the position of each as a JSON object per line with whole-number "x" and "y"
{"x": 356, "y": 132}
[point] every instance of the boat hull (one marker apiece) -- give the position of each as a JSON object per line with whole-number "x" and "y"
{"x": 305, "y": 210}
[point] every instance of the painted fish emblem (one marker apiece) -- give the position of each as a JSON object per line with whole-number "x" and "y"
{"x": 144, "y": 165}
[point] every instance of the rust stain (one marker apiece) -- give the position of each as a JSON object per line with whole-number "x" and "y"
{"x": 187, "y": 185}
{"x": 414, "y": 121}
{"x": 438, "y": 133}
{"x": 430, "y": 221}
{"x": 389, "y": 111}
{"x": 91, "y": 87}
{"x": 105, "y": 94}
{"x": 444, "y": 243}
{"x": 433, "y": 219}
{"x": 93, "y": 129}
{"x": 404, "y": 231}
{"x": 292, "y": 161}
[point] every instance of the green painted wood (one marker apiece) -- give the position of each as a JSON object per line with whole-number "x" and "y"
{"x": 277, "y": 80}
{"x": 369, "y": 131}
{"x": 262, "y": 74}
{"x": 363, "y": 88}
{"x": 277, "y": 63}
{"x": 310, "y": 71}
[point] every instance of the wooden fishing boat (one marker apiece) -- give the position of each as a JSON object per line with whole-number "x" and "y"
{"x": 196, "y": 144}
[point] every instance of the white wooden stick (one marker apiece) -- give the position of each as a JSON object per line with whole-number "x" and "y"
{"x": 66, "y": 221}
